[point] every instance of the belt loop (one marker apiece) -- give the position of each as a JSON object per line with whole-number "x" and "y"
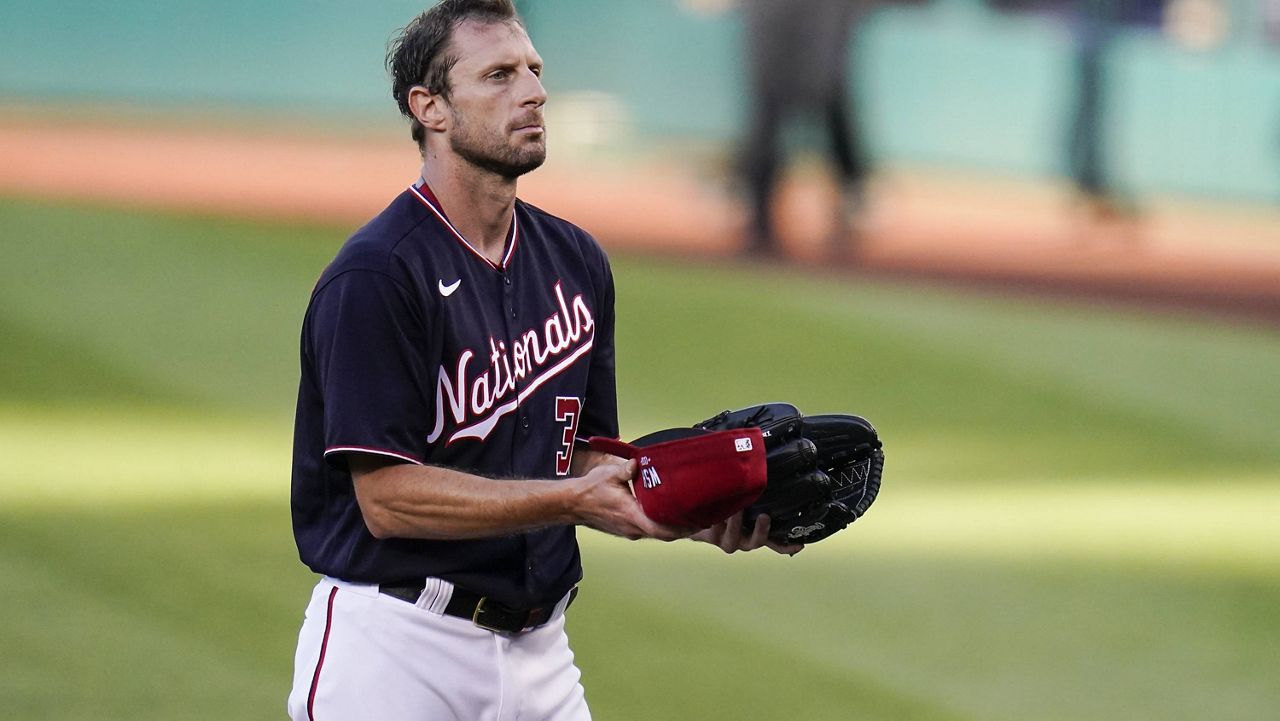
{"x": 436, "y": 593}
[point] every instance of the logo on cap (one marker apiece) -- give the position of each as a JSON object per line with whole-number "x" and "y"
{"x": 742, "y": 444}
{"x": 649, "y": 477}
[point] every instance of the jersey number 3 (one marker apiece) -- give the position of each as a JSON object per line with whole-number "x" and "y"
{"x": 568, "y": 408}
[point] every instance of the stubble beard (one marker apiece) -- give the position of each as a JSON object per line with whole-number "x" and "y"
{"x": 491, "y": 154}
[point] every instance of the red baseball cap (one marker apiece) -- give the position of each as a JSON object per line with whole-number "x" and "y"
{"x": 691, "y": 477}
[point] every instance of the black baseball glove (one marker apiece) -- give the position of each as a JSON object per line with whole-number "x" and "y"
{"x": 824, "y": 470}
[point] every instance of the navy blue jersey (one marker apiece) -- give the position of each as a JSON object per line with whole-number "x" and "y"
{"x": 417, "y": 348}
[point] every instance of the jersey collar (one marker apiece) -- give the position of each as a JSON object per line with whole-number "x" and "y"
{"x": 423, "y": 193}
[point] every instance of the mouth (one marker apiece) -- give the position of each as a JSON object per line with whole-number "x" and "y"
{"x": 529, "y": 125}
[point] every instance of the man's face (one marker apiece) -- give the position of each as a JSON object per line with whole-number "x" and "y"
{"x": 496, "y": 98}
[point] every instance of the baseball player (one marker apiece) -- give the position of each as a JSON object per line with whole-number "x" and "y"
{"x": 452, "y": 353}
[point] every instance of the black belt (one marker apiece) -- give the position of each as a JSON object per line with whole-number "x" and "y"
{"x": 482, "y": 611}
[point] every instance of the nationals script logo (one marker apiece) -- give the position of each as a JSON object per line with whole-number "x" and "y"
{"x": 476, "y": 403}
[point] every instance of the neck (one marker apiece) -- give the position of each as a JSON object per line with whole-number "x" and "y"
{"x": 480, "y": 204}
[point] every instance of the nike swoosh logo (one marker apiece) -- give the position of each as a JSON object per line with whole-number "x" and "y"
{"x": 447, "y": 290}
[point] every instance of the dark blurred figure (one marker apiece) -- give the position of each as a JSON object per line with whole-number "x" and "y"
{"x": 1096, "y": 25}
{"x": 1271, "y": 28}
{"x": 797, "y": 60}
{"x": 1095, "y": 28}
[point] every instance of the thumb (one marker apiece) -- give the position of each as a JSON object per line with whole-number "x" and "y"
{"x": 619, "y": 474}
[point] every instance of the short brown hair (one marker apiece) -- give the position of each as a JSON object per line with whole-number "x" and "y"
{"x": 419, "y": 53}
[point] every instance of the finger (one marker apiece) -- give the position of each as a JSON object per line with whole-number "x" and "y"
{"x": 622, "y": 475}
{"x": 732, "y": 538}
{"x": 759, "y": 534}
{"x": 611, "y": 462}
{"x": 760, "y": 537}
{"x": 664, "y": 532}
{"x": 711, "y": 534}
{"x": 654, "y": 529}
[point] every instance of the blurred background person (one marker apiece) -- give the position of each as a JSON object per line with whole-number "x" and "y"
{"x": 1090, "y": 158}
{"x": 1094, "y": 25}
{"x": 797, "y": 66}
{"x": 1270, "y": 10}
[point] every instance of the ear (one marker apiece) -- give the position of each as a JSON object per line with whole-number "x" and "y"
{"x": 427, "y": 108}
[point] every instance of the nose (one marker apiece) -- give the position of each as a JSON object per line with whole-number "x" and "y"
{"x": 535, "y": 96}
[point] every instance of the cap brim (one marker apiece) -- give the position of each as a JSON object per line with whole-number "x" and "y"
{"x": 670, "y": 434}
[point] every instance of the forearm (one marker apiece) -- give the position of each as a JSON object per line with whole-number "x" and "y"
{"x": 408, "y": 501}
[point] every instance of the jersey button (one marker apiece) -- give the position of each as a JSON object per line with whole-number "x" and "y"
{"x": 524, "y": 422}
{"x": 508, "y": 281}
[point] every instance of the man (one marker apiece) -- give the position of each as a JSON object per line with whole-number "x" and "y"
{"x": 452, "y": 353}
{"x": 1095, "y": 32}
{"x": 1097, "y": 28}
{"x": 797, "y": 67}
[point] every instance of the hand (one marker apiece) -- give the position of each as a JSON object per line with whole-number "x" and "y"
{"x": 603, "y": 501}
{"x": 728, "y": 536}
{"x": 585, "y": 459}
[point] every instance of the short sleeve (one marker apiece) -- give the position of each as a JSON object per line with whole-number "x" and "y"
{"x": 369, "y": 347}
{"x": 600, "y": 409}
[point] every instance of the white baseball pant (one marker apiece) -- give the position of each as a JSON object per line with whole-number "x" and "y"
{"x": 366, "y": 655}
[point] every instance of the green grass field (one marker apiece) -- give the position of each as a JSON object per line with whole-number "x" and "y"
{"x": 1078, "y": 519}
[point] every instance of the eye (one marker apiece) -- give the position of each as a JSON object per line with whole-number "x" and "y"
{"x": 498, "y": 75}
{"x": 537, "y": 70}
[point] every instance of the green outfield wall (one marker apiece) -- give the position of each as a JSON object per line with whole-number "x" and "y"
{"x": 948, "y": 83}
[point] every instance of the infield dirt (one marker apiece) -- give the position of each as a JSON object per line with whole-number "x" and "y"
{"x": 1009, "y": 233}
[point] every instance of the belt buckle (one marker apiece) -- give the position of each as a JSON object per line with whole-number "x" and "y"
{"x": 480, "y": 609}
